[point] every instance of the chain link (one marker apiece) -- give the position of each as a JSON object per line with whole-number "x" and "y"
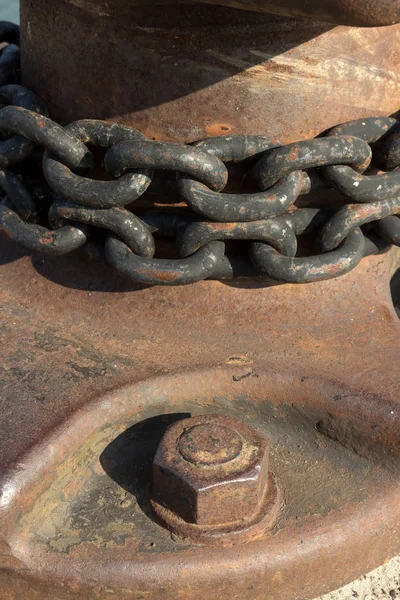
{"x": 59, "y": 195}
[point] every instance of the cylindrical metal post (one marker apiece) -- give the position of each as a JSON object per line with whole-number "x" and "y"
{"x": 185, "y": 72}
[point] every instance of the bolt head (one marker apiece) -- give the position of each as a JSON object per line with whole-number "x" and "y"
{"x": 211, "y": 470}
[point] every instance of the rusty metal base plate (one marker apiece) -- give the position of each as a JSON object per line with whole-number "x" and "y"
{"x": 93, "y": 372}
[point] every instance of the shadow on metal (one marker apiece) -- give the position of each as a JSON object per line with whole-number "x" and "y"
{"x": 127, "y": 460}
{"x": 395, "y": 291}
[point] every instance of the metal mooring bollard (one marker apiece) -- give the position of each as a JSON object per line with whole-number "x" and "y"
{"x": 199, "y": 241}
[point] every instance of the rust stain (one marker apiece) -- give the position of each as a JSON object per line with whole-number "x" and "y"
{"x": 216, "y": 129}
{"x": 159, "y": 275}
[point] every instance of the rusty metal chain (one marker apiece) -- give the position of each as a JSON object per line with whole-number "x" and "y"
{"x": 278, "y": 224}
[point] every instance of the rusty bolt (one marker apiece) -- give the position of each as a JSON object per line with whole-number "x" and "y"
{"x": 211, "y": 470}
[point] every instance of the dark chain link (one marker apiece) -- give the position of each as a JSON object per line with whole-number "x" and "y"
{"x": 59, "y": 195}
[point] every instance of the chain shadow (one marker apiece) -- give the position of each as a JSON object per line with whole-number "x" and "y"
{"x": 395, "y": 291}
{"x": 76, "y": 271}
{"x": 81, "y": 270}
{"x": 11, "y": 252}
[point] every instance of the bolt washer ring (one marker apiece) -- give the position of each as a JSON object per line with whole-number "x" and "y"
{"x": 231, "y": 533}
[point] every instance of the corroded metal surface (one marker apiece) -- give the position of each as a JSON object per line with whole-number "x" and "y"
{"x": 318, "y": 377}
{"x": 94, "y": 369}
{"x": 187, "y": 72}
{"x": 360, "y": 13}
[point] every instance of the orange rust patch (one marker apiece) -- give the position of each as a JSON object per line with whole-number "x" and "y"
{"x": 48, "y": 238}
{"x": 41, "y": 122}
{"x": 221, "y": 226}
{"x": 161, "y": 275}
{"x": 6, "y": 233}
{"x": 216, "y": 129}
{"x": 294, "y": 153}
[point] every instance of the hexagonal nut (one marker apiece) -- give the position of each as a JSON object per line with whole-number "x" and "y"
{"x": 211, "y": 470}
